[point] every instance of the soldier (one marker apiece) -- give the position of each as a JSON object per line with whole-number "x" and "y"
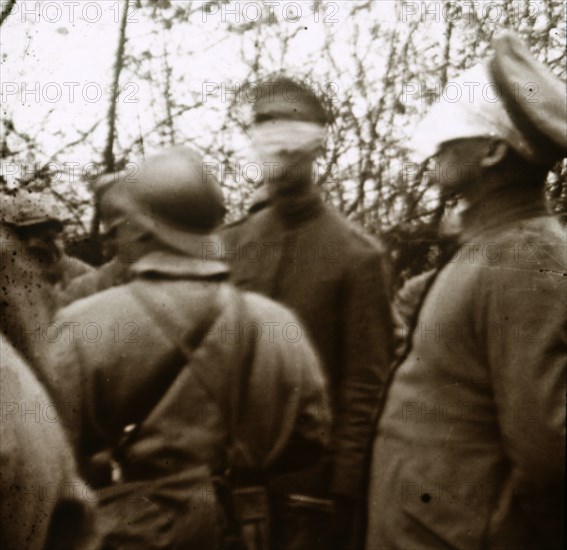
{"x": 295, "y": 249}
{"x": 470, "y": 448}
{"x": 33, "y": 218}
{"x": 116, "y": 270}
{"x": 27, "y": 297}
{"x": 187, "y": 376}
{"x": 407, "y": 300}
{"x": 43, "y": 502}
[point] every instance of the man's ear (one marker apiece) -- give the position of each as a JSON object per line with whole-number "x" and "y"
{"x": 495, "y": 152}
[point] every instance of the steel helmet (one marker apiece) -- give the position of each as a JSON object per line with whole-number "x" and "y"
{"x": 172, "y": 197}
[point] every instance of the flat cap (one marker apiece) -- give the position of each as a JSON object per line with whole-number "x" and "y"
{"x": 26, "y": 209}
{"x": 535, "y": 99}
{"x": 522, "y": 103}
{"x": 284, "y": 98}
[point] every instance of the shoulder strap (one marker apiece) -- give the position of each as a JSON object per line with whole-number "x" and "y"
{"x": 162, "y": 309}
{"x": 231, "y": 308}
{"x": 229, "y": 303}
{"x": 158, "y": 309}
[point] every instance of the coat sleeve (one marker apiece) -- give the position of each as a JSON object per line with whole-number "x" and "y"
{"x": 367, "y": 350}
{"x": 42, "y": 506}
{"x": 285, "y": 421}
{"x": 66, "y": 370}
{"x": 525, "y": 306}
{"x": 62, "y": 372}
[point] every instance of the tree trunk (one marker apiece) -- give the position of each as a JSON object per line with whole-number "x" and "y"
{"x": 108, "y": 154}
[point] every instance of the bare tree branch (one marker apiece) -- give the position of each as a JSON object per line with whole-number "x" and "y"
{"x": 6, "y": 10}
{"x": 108, "y": 154}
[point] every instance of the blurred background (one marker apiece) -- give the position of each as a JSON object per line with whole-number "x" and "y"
{"x": 94, "y": 87}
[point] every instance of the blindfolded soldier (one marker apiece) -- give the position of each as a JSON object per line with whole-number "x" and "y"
{"x": 295, "y": 249}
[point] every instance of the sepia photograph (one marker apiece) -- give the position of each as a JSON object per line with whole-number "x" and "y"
{"x": 283, "y": 275}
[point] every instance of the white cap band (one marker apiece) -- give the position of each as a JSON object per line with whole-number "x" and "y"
{"x": 479, "y": 112}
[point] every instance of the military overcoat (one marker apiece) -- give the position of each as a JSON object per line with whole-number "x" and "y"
{"x": 303, "y": 254}
{"x": 150, "y": 369}
{"x": 470, "y": 451}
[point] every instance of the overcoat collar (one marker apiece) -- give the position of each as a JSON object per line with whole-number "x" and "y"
{"x": 170, "y": 264}
{"x": 500, "y": 208}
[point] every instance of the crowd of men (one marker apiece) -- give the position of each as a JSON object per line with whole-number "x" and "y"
{"x": 237, "y": 386}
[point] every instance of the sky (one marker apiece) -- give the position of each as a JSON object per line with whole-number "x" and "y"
{"x": 57, "y": 59}
{"x": 58, "y": 55}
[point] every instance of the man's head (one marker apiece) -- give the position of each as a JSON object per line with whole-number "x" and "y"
{"x": 111, "y": 218}
{"x": 461, "y": 165}
{"x": 26, "y": 299}
{"x": 171, "y": 201}
{"x": 509, "y": 123}
{"x": 282, "y": 98}
{"x": 288, "y": 130}
{"x": 33, "y": 219}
